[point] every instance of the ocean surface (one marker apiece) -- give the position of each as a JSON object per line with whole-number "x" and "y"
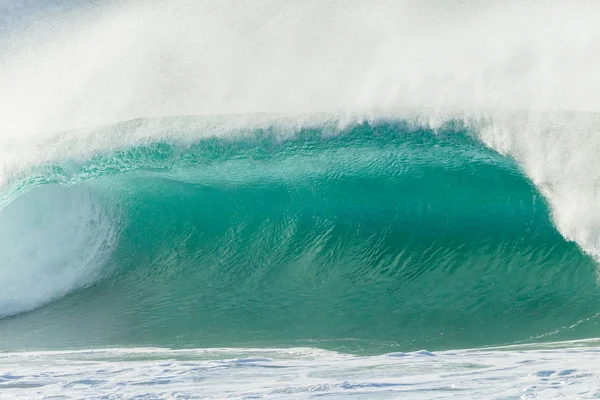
{"x": 565, "y": 370}
{"x": 286, "y": 200}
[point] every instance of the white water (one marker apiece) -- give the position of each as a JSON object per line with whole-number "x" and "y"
{"x": 53, "y": 240}
{"x": 567, "y": 370}
{"x": 148, "y": 59}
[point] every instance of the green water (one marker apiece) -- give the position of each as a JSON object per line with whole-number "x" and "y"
{"x": 376, "y": 238}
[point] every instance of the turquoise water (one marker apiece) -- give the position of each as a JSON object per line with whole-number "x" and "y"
{"x": 366, "y": 239}
{"x": 278, "y": 199}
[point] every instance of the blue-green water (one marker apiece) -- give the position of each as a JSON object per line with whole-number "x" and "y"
{"x": 277, "y": 199}
{"x": 375, "y": 237}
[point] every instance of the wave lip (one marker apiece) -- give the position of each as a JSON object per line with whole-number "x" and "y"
{"x": 53, "y": 240}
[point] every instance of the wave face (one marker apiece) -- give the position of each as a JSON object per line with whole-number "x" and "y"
{"x": 364, "y": 237}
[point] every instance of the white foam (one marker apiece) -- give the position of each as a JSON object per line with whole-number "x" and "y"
{"x": 53, "y": 240}
{"x": 559, "y": 370}
{"x": 559, "y": 152}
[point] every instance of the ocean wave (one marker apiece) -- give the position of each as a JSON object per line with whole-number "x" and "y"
{"x": 384, "y": 232}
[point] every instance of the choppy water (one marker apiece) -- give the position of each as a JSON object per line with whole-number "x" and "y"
{"x": 554, "y": 370}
